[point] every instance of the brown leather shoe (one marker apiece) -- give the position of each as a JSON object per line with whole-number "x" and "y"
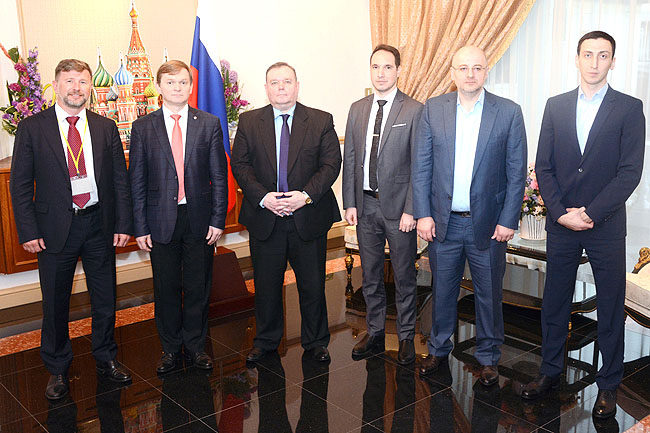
{"x": 368, "y": 345}
{"x": 605, "y": 406}
{"x": 57, "y": 387}
{"x": 489, "y": 375}
{"x": 540, "y": 386}
{"x": 431, "y": 363}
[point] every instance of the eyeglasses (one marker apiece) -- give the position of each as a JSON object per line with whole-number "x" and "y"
{"x": 476, "y": 69}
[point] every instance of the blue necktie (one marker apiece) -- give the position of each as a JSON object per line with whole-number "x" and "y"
{"x": 283, "y": 185}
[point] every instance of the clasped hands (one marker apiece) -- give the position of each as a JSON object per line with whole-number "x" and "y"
{"x": 284, "y": 203}
{"x": 576, "y": 219}
{"x": 427, "y": 230}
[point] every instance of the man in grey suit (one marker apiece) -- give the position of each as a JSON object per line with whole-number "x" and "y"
{"x": 468, "y": 184}
{"x": 377, "y": 198}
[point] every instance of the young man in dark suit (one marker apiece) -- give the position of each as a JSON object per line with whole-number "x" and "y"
{"x": 71, "y": 199}
{"x": 179, "y": 185}
{"x": 589, "y": 161}
{"x": 286, "y": 156}
{"x": 377, "y": 197}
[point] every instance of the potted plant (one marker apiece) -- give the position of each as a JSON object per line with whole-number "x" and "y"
{"x": 533, "y": 211}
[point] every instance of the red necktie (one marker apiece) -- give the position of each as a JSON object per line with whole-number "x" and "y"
{"x": 177, "y": 151}
{"x": 74, "y": 152}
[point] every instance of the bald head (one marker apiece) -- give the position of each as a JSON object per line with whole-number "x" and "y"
{"x": 469, "y": 71}
{"x": 469, "y": 52}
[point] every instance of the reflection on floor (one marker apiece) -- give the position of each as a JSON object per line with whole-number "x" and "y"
{"x": 286, "y": 393}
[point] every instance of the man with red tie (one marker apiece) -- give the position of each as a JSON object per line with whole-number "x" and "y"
{"x": 179, "y": 185}
{"x": 71, "y": 200}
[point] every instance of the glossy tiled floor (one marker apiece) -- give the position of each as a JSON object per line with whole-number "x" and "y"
{"x": 287, "y": 393}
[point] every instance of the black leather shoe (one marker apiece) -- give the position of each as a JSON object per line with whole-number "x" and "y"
{"x": 169, "y": 361}
{"x": 201, "y": 360}
{"x": 431, "y": 364}
{"x": 540, "y": 386}
{"x": 605, "y": 406}
{"x": 320, "y": 353}
{"x": 114, "y": 371}
{"x": 406, "y": 353}
{"x": 57, "y": 387}
{"x": 256, "y": 354}
{"x": 369, "y": 344}
{"x": 489, "y": 375}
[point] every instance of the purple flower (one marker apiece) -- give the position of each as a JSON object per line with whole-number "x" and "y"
{"x": 20, "y": 67}
{"x": 233, "y": 76}
{"x": 14, "y": 87}
{"x": 24, "y": 80}
{"x": 7, "y": 116}
{"x": 225, "y": 64}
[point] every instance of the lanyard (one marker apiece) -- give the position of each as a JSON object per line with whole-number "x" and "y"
{"x": 75, "y": 159}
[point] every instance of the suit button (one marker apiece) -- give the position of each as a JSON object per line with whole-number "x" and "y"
{"x": 449, "y": 197}
{"x": 175, "y": 177}
{"x": 175, "y": 198}
{"x": 580, "y": 170}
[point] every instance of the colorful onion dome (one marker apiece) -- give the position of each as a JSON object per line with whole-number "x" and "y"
{"x": 122, "y": 76}
{"x": 101, "y": 78}
{"x": 150, "y": 91}
{"x": 112, "y": 94}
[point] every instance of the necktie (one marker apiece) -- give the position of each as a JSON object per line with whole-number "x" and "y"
{"x": 375, "y": 145}
{"x": 283, "y": 185}
{"x": 177, "y": 151}
{"x": 76, "y": 153}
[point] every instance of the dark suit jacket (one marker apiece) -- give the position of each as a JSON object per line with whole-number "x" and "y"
{"x": 499, "y": 172}
{"x": 154, "y": 183}
{"x": 604, "y": 176}
{"x": 39, "y": 158}
{"x": 313, "y": 166}
{"x": 393, "y": 157}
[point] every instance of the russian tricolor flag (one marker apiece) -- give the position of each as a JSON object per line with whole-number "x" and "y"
{"x": 207, "y": 94}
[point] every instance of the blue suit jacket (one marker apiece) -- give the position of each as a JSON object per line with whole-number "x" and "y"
{"x": 497, "y": 187}
{"x": 154, "y": 183}
{"x": 604, "y": 176}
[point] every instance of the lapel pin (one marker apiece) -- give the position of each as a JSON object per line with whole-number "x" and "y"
{"x": 195, "y": 117}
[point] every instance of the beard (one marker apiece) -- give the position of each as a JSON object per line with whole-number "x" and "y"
{"x": 82, "y": 102}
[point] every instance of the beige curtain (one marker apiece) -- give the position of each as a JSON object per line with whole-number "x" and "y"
{"x": 429, "y": 32}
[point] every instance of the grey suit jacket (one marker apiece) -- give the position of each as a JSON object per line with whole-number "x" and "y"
{"x": 499, "y": 171}
{"x": 394, "y": 155}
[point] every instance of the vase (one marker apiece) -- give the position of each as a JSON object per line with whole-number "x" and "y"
{"x": 533, "y": 227}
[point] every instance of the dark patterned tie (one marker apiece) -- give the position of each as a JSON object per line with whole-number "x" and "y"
{"x": 283, "y": 185}
{"x": 74, "y": 152}
{"x": 375, "y": 145}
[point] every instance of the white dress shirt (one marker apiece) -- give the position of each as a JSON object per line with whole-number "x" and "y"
{"x": 86, "y": 147}
{"x": 468, "y": 124}
{"x": 169, "y": 126}
{"x": 371, "y": 129}
{"x": 586, "y": 111}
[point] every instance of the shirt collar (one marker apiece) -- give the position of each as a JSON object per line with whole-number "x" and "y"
{"x": 479, "y": 102}
{"x": 388, "y": 98}
{"x": 62, "y": 115}
{"x": 277, "y": 113}
{"x": 599, "y": 95}
{"x": 183, "y": 112}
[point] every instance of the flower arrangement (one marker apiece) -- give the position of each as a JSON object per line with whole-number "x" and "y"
{"x": 26, "y": 94}
{"x": 234, "y": 103}
{"x": 533, "y": 203}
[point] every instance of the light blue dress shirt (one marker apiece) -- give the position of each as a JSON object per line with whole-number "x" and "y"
{"x": 277, "y": 120}
{"x": 586, "y": 111}
{"x": 468, "y": 124}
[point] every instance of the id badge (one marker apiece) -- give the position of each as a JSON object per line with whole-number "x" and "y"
{"x": 80, "y": 184}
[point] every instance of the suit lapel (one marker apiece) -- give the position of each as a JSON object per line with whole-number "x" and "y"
{"x": 161, "y": 132}
{"x": 392, "y": 117}
{"x": 190, "y": 133}
{"x": 449, "y": 114}
{"x": 364, "y": 119}
{"x": 267, "y": 132}
{"x": 488, "y": 118}
{"x": 51, "y": 128}
{"x": 603, "y": 112}
{"x": 298, "y": 131}
{"x": 98, "y": 144}
{"x": 571, "y": 119}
